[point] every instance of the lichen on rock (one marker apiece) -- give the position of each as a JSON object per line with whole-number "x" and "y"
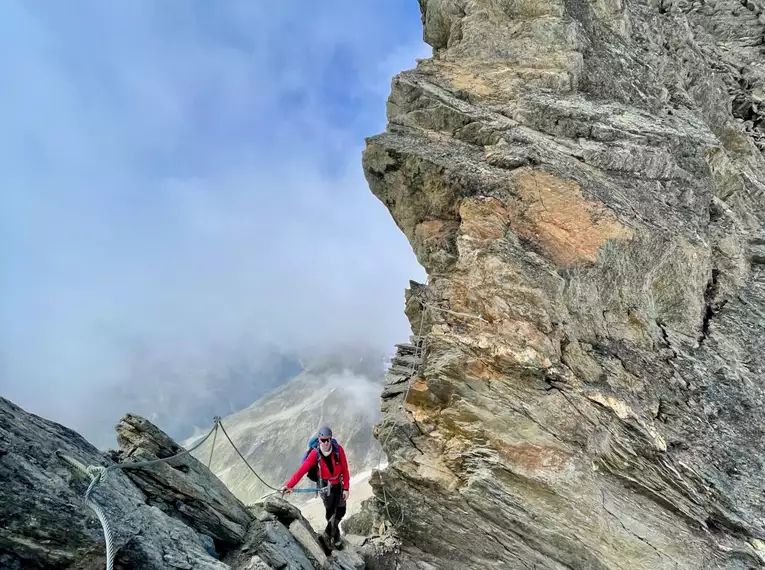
{"x": 576, "y": 174}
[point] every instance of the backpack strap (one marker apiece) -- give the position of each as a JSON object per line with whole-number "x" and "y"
{"x": 335, "y": 448}
{"x": 314, "y": 443}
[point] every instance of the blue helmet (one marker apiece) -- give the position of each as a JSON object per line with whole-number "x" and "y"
{"x": 325, "y": 432}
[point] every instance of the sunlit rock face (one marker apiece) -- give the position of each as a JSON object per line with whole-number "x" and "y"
{"x": 586, "y": 177}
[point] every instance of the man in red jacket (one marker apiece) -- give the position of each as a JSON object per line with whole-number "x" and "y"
{"x": 333, "y": 471}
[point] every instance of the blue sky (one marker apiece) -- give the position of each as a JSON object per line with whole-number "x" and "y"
{"x": 182, "y": 189}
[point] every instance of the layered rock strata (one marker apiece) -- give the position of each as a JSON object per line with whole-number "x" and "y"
{"x": 583, "y": 182}
{"x": 173, "y": 515}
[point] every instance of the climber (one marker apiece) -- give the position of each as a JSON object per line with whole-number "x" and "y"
{"x": 333, "y": 472}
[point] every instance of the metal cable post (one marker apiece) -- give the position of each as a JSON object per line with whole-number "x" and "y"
{"x": 98, "y": 473}
{"x": 216, "y": 422}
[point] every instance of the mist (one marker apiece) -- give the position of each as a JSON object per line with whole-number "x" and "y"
{"x": 362, "y": 392}
{"x": 183, "y": 215}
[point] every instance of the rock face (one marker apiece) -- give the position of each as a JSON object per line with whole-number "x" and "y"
{"x": 583, "y": 182}
{"x": 184, "y": 489}
{"x": 174, "y": 515}
{"x": 44, "y": 522}
{"x": 286, "y": 540}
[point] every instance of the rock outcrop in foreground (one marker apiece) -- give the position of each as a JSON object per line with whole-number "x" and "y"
{"x": 174, "y": 515}
{"x": 587, "y": 177}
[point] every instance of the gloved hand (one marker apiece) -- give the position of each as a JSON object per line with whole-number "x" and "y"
{"x": 285, "y": 490}
{"x": 346, "y": 492}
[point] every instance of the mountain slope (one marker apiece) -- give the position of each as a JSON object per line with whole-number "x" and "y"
{"x": 273, "y": 432}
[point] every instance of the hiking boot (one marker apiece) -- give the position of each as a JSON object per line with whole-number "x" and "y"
{"x": 337, "y": 539}
{"x": 326, "y": 541}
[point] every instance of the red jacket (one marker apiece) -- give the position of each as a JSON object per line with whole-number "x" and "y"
{"x": 331, "y": 478}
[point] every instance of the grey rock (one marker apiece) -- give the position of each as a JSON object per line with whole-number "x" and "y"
{"x": 273, "y": 544}
{"x": 182, "y": 488}
{"x": 355, "y": 540}
{"x": 291, "y": 517}
{"x": 285, "y": 512}
{"x": 253, "y": 563}
{"x": 306, "y": 537}
{"x": 362, "y": 523}
{"x": 384, "y": 553}
{"x": 283, "y": 538}
{"x": 45, "y": 522}
{"x": 346, "y": 560}
{"x": 588, "y": 178}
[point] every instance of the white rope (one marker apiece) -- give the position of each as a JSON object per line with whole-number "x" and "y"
{"x": 212, "y": 450}
{"x": 243, "y": 459}
{"x": 98, "y": 473}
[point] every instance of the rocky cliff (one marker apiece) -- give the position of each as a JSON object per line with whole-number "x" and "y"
{"x": 171, "y": 515}
{"x": 583, "y": 182}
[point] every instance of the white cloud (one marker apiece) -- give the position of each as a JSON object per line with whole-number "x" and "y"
{"x": 183, "y": 194}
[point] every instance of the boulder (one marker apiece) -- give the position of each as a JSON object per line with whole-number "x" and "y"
{"x": 45, "y": 523}
{"x": 182, "y": 488}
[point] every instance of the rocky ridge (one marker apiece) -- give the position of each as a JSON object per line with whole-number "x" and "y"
{"x": 174, "y": 515}
{"x": 587, "y": 176}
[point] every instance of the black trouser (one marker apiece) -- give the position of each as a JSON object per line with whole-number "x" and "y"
{"x": 334, "y": 504}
